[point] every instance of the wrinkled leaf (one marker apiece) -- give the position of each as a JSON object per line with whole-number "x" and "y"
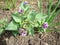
{"x": 16, "y": 17}
{"x": 40, "y": 17}
{"x": 31, "y": 15}
{"x": 12, "y": 26}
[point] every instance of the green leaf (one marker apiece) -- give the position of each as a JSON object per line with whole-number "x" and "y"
{"x": 59, "y": 1}
{"x": 50, "y": 6}
{"x": 40, "y": 29}
{"x": 40, "y": 17}
{"x": 53, "y": 16}
{"x": 15, "y": 33}
{"x": 16, "y": 17}
{"x": 22, "y": 5}
{"x": 14, "y": 2}
{"x": 1, "y": 21}
{"x": 27, "y": 8}
{"x": 36, "y": 24}
{"x": 31, "y": 15}
{"x": 30, "y": 30}
{"x": 12, "y": 26}
{"x": 40, "y": 5}
{"x": 47, "y": 30}
{"x": 1, "y": 31}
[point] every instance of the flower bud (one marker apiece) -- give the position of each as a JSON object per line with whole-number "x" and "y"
{"x": 26, "y": 2}
{"x": 45, "y": 25}
{"x": 20, "y": 11}
{"x": 23, "y": 34}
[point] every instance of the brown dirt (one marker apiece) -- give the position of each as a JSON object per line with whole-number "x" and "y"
{"x": 52, "y": 38}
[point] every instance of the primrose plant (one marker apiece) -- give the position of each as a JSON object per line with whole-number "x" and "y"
{"x": 28, "y": 19}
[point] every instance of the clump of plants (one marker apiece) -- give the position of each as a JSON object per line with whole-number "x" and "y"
{"x": 27, "y": 21}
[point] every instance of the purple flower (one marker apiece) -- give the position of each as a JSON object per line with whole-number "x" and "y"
{"x": 45, "y": 25}
{"x": 26, "y": 2}
{"x": 20, "y": 11}
{"x": 23, "y": 34}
